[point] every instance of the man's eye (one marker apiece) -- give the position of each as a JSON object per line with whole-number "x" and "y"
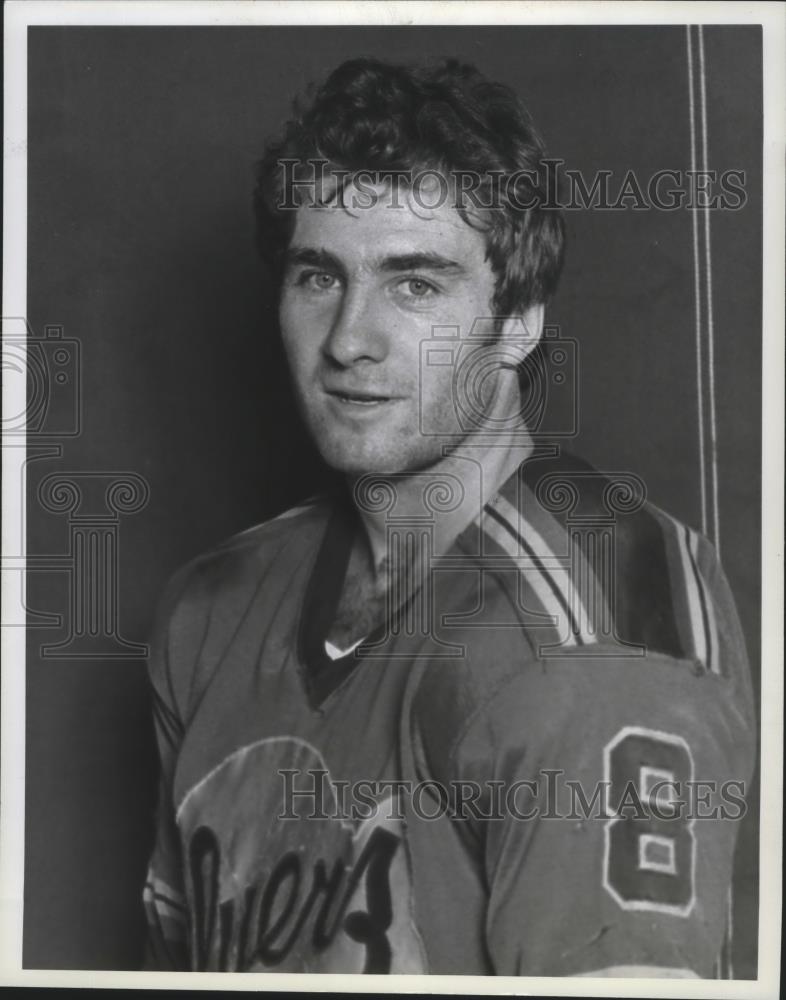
{"x": 418, "y": 288}
{"x": 320, "y": 281}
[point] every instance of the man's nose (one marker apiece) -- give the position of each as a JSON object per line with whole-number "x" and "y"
{"x": 357, "y": 332}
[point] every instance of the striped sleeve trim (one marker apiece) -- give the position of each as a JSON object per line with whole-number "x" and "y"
{"x": 588, "y": 556}
{"x": 543, "y": 571}
{"x": 499, "y": 534}
{"x": 163, "y": 906}
{"x": 161, "y": 895}
{"x": 700, "y": 605}
{"x": 548, "y": 567}
{"x": 167, "y": 924}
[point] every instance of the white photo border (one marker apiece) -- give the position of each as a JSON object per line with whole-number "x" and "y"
{"x": 21, "y": 14}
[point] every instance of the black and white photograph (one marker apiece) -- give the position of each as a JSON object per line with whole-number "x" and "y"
{"x": 392, "y": 566}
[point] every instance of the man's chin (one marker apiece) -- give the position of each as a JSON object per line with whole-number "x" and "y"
{"x": 357, "y": 465}
{"x": 365, "y": 459}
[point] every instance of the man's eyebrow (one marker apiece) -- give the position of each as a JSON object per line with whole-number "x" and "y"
{"x": 313, "y": 257}
{"x": 424, "y": 261}
{"x": 417, "y": 261}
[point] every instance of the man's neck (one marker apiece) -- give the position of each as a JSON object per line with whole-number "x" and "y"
{"x": 446, "y": 497}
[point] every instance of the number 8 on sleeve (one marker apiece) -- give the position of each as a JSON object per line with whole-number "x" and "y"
{"x": 649, "y": 848}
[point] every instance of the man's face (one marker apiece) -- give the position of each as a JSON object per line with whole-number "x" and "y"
{"x": 360, "y": 292}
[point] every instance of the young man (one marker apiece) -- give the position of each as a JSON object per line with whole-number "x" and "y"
{"x": 451, "y": 719}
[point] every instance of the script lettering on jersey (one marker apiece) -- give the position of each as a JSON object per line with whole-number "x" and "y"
{"x": 297, "y": 902}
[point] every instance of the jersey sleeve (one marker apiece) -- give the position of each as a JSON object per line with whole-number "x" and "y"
{"x": 613, "y": 788}
{"x": 621, "y": 784}
{"x": 164, "y": 894}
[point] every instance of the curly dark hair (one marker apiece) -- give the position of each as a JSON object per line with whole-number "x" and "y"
{"x": 373, "y": 116}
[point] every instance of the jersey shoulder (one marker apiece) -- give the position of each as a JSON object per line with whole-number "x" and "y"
{"x": 247, "y": 557}
{"x": 639, "y": 575}
{"x": 657, "y": 641}
{"x": 206, "y": 599}
{"x": 261, "y": 542}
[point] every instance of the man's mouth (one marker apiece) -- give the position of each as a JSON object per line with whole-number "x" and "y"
{"x": 356, "y": 398}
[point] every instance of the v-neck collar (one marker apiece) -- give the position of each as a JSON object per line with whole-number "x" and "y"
{"x": 321, "y": 674}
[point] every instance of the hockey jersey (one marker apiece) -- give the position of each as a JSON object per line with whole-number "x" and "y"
{"x": 536, "y": 766}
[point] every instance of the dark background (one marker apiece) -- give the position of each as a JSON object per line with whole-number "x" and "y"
{"x": 141, "y": 150}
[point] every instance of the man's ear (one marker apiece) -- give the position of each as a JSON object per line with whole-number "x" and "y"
{"x": 521, "y": 334}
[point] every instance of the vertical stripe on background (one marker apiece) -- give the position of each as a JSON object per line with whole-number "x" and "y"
{"x": 702, "y": 267}
{"x": 710, "y": 324}
{"x": 697, "y": 292}
{"x": 703, "y": 302}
